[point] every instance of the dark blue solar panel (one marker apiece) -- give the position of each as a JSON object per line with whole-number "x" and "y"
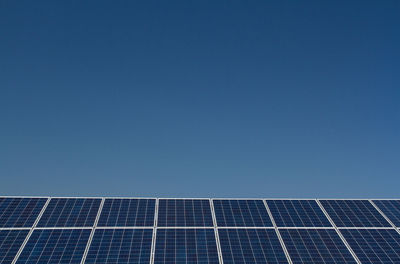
{"x": 127, "y": 212}
{"x": 374, "y": 246}
{"x": 184, "y": 212}
{"x": 182, "y": 246}
{"x": 128, "y": 246}
{"x": 10, "y": 242}
{"x": 297, "y": 213}
{"x": 251, "y": 246}
{"x": 20, "y": 212}
{"x": 354, "y": 213}
{"x": 251, "y": 213}
{"x": 391, "y": 208}
{"x": 55, "y": 246}
{"x": 306, "y": 246}
{"x": 70, "y": 212}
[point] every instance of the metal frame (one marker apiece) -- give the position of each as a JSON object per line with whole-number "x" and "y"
{"x": 153, "y": 242}
{"x": 221, "y": 261}
{"x": 215, "y": 226}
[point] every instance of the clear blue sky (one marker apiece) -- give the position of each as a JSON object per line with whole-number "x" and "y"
{"x": 200, "y": 98}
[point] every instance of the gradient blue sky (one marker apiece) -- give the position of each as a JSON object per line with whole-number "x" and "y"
{"x": 200, "y": 98}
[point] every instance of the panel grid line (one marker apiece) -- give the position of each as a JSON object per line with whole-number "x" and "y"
{"x": 92, "y": 232}
{"x": 216, "y": 232}
{"x": 31, "y": 230}
{"x": 278, "y": 233}
{"x": 338, "y": 232}
{"x": 14, "y": 228}
{"x": 153, "y": 242}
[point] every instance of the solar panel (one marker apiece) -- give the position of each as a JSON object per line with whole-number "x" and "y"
{"x": 20, "y": 212}
{"x": 184, "y": 212}
{"x": 10, "y": 242}
{"x": 251, "y": 246}
{"x": 391, "y": 208}
{"x": 126, "y": 231}
{"x": 181, "y": 246}
{"x": 354, "y": 213}
{"x": 306, "y": 246}
{"x": 127, "y": 212}
{"x": 70, "y": 212}
{"x": 297, "y": 213}
{"x": 55, "y": 246}
{"x": 239, "y": 213}
{"x": 116, "y": 246}
{"x": 374, "y": 246}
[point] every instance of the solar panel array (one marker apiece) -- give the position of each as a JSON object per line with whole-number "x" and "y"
{"x": 209, "y": 231}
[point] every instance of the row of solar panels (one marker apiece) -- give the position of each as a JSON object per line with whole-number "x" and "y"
{"x": 200, "y": 245}
{"x": 82, "y": 212}
{"x": 63, "y": 231}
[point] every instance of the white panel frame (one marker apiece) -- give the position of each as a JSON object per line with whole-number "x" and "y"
{"x": 221, "y": 260}
{"x": 153, "y": 242}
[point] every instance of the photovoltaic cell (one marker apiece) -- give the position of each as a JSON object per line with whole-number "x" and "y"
{"x": 391, "y": 208}
{"x": 117, "y": 246}
{"x": 238, "y": 213}
{"x": 10, "y": 242}
{"x": 20, "y": 212}
{"x": 374, "y": 246}
{"x": 182, "y": 246}
{"x": 50, "y": 246}
{"x": 184, "y": 212}
{"x": 70, "y": 212}
{"x": 251, "y": 246}
{"x": 127, "y": 212}
{"x": 297, "y": 213}
{"x": 306, "y": 246}
{"x": 354, "y": 213}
